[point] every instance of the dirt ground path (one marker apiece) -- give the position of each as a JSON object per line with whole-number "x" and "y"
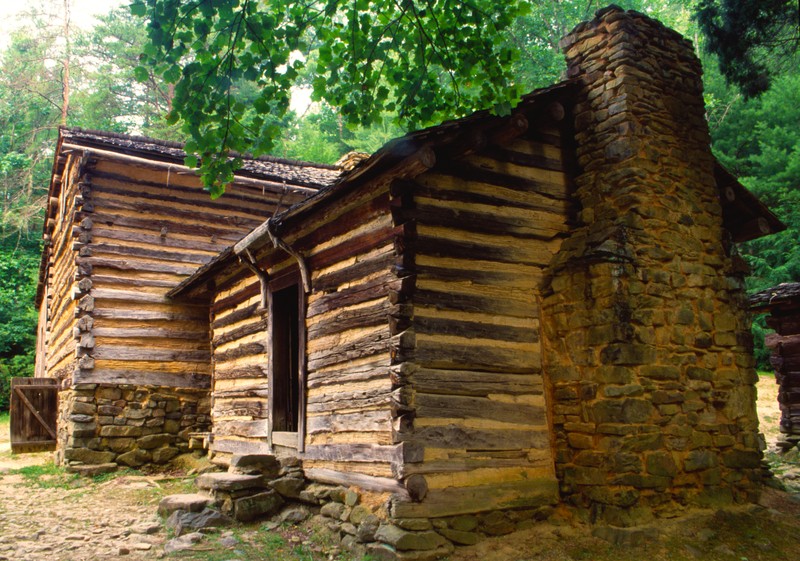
{"x": 52, "y": 517}
{"x": 63, "y": 518}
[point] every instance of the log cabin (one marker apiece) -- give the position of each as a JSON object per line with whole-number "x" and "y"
{"x": 782, "y": 303}
{"x": 125, "y": 222}
{"x": 492, "y": 315}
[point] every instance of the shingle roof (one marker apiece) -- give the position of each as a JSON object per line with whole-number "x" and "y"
{"x": 781, "y": 295}
{"x": 295, "y": 172}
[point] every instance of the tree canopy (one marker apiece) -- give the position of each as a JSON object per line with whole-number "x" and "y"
{"x": 425, "y": 61}
{"x": 753, "y": 39}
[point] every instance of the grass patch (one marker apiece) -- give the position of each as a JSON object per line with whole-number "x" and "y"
{"x": 256, "y": 543}
{"x": 49, "y": 476}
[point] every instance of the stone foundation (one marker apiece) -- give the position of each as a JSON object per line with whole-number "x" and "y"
{"x": 261, "y": 486}
{"x": 128, "y": 425}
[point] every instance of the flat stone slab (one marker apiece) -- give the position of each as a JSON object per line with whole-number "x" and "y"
{"x": 189, "y": 502}
{"x": 255, "y": 464}
{"x": 89, "y": 470}
{"x": 221, "y": 481}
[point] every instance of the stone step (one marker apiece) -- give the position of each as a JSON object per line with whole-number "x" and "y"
{"x": 255, "y": 464}
{"x": 189, "y": 502}
{"x": 223, "y": 481}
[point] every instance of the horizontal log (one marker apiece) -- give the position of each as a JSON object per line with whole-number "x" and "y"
{"x": 165, "y": 211}
{"x": 183, "y": 314}
{"x": 441, "y": 300}
{"x": 255, "y": 408}
{"x": 241, "y": 372}
{"x": 490, "y": 220}
{"x": 129, "y": 296}
{"x": 258, "y": 428}
{"x": 784, "y": 324}
{"x": 362, "y": 243}
{"x": 475, "y": 439}
{"x": 453, "y": 501}
{"x": 257, "y": 390}
{"x": 229, "y": 235}
{"x": 369, "y": 345}
{"x": 240, "y": 332}
{"x": 464, "y": 464}
{"x": 137, "y": 265}
{"x": 195, "y": 258}
{"x": 475, "y": 383}
{"x": 359, "y": 270}
{"x": 238, "y": 297}
{"x": 473, "y": 329}
{"x": 530, "y": 158}
{"x": 149, "y": 333}
{"x": 361, "y": 317}
{"x": 515, "y": 253}
{"x": 142, "y": 378}
{"x": 233, "y": 446}
{"x": 348, "y": 373}
{"x": 102, "y": 280}
{"x": 359, "y": 480}
{"x": 122, "y": 186}
{"x": 371, "y": 453}
{"x": 236, "y": 316}
{"x": 359, "y": 421}
{"x": 333, "y": 400}
{"x": 247, "y": 349}
{"x": 462, "y": 407}
{"x": 370, "y": 290}
{"x": 339, "y": 220}
{"x": 118, "y": 352}
{"x": 473, "y": 356}
{"x": 160, "y": 239}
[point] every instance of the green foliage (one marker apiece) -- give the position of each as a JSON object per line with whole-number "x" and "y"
{"x": 19, "y": 267}
{"x": 759, "y": 141}
{"x": 751, "y": 38}
{"x": 49, "y": 476}
{"x": 421, "y": 60}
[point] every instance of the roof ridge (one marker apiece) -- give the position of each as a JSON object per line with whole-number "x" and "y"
{"x": 181, "y": 146}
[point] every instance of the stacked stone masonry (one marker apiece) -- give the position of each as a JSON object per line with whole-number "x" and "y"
{"x": 261, "y": 486}
{"x": 129, "y": 425}
{"x": 647, "y": 339}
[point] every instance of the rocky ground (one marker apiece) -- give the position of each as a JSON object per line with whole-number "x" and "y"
{"x": 48, "y": 515}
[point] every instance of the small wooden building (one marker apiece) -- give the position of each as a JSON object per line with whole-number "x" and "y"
{"x": 497, "y": 313}
{"x": 504, "y": 312}
{"x": 126, "y": 221}
{"x": 782, "y": 303}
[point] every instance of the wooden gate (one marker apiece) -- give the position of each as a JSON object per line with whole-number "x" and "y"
{"x": 34, "y": 409}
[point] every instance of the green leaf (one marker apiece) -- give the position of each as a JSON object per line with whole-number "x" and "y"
{"x": 141, "y": 74}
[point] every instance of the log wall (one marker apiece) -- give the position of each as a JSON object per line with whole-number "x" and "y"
{"x": 484, "y": 229}
{"x": 349, "y": 247}
{"x": 784, "y": 318}
{"x": 57, "y": 356}
{"x": 131, "y": 232}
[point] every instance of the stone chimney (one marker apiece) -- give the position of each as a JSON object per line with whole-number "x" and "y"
{"x": 646, "y": 341}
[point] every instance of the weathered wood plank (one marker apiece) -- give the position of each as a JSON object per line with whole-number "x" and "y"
{"x": 142, "y": 378}
{"x": 247, "y": 349}
{"x": 467, "y": 407}
{"x": 118, "y": 352}
{"x": 370, "y": 483}
{"x": 474, "y": 329}
{"x": 473, "y": 439}
{"x": 359, "y": 421}
{"x": 240, "y": 372}
{"x": 475, "y": 383}
{"x": 240, "y": 332}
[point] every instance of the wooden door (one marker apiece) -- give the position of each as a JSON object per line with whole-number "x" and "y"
{"x": 34, "y": 410}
